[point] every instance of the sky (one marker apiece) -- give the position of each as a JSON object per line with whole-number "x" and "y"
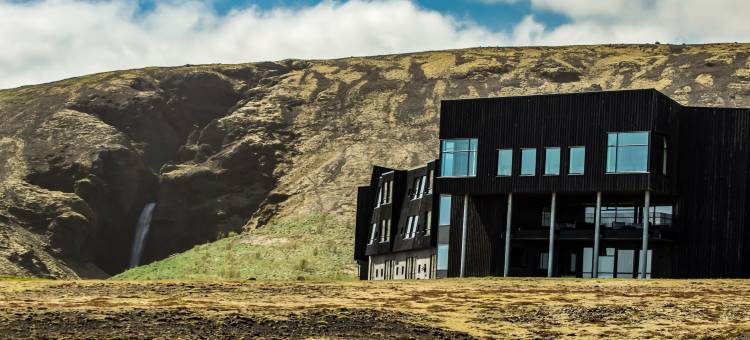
{"x": 47, "y": 40}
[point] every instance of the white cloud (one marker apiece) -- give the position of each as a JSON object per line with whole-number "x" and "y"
{"x": 52, "y": 39}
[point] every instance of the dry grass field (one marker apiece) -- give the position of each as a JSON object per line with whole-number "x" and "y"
{"x": 525, "y": 308}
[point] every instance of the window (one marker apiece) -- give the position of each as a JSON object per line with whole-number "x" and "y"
{"x": 588, "y": 265}
{"x": 418, "y": 183}
{"x": 607, "y": 264}
{"x": 649, "y": 255}
{"x": 430, "y": 181}
{"x": 528, "y": 162}
{"x": 625, "y": 261}
{"x": 544, "y": 261}
{"x": 385, "y": 230}
{"x": 661, "y": 148}
{"x": 458, "y": 157}
{"x": 428, "y": 222}
{"x": 505, "y": 162}
{"x": 614, "y": 216}
{"x": 442, "y": 257}
{"x": 411, "y": 226}
{"x": 443, "y": 236}
{"x": 627, "y": 152}
{"x": 445, "y": 210}
{"x": 374, "y": 233}
{"x": 552, "y": 161}
{"x": 577, "y": 160}
{"x": 660, "y": 215}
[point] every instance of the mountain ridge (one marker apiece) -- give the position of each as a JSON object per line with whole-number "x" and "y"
{"x": 224, "y": 148}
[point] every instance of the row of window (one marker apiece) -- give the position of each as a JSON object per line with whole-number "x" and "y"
{"x": 576, "y": 163}
{"x": 385, "y": 193}
{"x": 422, "y": 186}
{"x": 381, "y": 232}
{"x": 410, "y": 269}
{"x": 627, "y": 152}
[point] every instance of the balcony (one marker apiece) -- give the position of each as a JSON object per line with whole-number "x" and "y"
{"x": 568, "y": 231}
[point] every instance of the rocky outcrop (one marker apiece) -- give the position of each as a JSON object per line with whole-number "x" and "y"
{"x": 222, "y": 147}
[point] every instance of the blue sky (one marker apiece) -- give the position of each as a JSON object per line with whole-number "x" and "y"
{"x": 498, "y": 15}
{"x": 46, "y": 40}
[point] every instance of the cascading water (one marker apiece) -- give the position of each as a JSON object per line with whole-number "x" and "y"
{"x": 141, "y": 230}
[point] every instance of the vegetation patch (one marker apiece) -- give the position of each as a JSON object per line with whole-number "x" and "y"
{"x": 315, "y": 247}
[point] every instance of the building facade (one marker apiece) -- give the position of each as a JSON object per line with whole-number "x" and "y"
{"x": 570, "y": 185}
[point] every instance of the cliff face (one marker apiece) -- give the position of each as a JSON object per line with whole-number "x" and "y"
{"x": 222, "y": 147}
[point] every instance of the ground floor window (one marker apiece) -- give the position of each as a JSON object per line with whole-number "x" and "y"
{"x": 442, "y": 257}
{"x": 544, "y": 261}
{"x": 613, "y": 262}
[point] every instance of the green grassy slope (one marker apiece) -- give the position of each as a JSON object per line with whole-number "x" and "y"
{"x": 316, "y": 247}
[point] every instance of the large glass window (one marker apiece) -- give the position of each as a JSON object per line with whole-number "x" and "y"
{"x": 627, "y": 152}
{"x": 552, "y": 161}
{"x": 458, "y": 157}
{"x": 445, "y": 210}
{"x": 442, "y": 257}
{"x": 625, "y": 262}
{"x": 613, "y": 216}
{"x": 607, "y": 264}
{"x": 505, "y": 162}
{"x": 577, "y": 160}
{"x": 528, "y": 162}
{"x": 660, "y": 215}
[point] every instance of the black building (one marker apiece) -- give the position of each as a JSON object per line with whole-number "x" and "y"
{"x": 568, "y": 185}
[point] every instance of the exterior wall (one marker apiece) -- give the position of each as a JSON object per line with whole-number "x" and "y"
{"x": 560, "y": 120}
{"x": 713, "y": 181}
{"x": 422, "y": 258}
{"x": 421, "y": 207}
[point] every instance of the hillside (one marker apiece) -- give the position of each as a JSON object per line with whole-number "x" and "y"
{"x": 227, "y": 148}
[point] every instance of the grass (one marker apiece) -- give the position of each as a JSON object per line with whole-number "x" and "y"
{"x": 315, "y": 247}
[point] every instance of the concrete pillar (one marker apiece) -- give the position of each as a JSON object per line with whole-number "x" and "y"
{"x": 551, "y": 253}
{"x": 464, "y": 221}
{"x": 644, "y": 246}
{"x": 508, "y": 219}
{"x": 597, "y": 232}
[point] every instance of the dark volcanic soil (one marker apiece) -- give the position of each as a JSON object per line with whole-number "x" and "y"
{"x": 179, "y": 323}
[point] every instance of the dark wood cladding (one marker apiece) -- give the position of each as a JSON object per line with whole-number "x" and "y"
{"x": 560, "y": 120}
{"x": 386, "y": 211}
{"x": 362, "y": 224}
{"x": 417, "y": 207}
{"x": 713, "y": 205}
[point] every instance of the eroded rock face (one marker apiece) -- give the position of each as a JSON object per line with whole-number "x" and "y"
{"x": 222, "y": 147}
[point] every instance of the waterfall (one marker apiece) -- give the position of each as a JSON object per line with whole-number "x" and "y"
{"x": 141, "y": 230}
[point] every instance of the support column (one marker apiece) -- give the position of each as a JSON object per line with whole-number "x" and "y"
{"x": 369, "y": 268}
{"x": 597, "y": 232}
{"x": 551, "y": 253}
{"x": 644, "y": 246}
{"x": 508, "y": 219}
{"x": 463, "y": 234}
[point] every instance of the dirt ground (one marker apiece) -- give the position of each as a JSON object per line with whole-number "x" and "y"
{"x": 526, "y": 308}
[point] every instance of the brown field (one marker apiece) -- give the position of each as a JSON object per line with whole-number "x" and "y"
{"x": 526, "y": 308}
